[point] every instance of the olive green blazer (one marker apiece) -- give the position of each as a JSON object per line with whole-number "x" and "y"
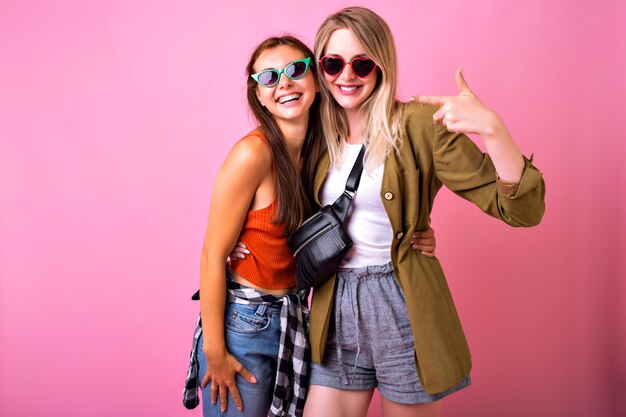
{"x": 429, "y": 157}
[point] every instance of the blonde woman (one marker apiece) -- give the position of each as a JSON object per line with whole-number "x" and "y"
{"x": 387, "y": 319}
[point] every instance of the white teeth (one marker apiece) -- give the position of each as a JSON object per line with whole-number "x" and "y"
{"x": 345, "y": 88}
{"x": 290, "y": 97}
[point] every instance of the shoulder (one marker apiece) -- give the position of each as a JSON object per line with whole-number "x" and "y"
{"x": 417, "y": 125}
{"x": 416, "y": 114}
{"x": 252, "y": 151}
{"x": 248, "y": 163}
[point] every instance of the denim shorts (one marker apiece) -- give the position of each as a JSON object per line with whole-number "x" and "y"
{"x": 252, "y": 336}
{"x": 370, "y": 342}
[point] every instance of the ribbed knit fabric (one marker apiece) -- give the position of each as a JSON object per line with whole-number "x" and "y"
{"x": 270, "y": 262}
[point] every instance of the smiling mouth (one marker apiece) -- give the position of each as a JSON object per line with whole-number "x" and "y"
{"x": 348, "y": 89}
{"x": 289, "y": 98}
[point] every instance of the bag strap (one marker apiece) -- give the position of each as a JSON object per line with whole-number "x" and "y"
{"x": 355, "y": 175}
{"x": 341, "y": 206}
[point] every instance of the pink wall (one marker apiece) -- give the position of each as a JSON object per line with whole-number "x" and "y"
{"x": 115, "y": 115}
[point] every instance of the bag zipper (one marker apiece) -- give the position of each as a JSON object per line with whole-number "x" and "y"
{"x": 321, "y": 231}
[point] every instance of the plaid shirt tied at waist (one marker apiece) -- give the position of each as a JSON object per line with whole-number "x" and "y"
{"x": 293, "y": 354}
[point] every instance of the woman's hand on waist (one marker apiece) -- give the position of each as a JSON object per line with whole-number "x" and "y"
{"x": 424, "y": 241}
{"x": 222, "y": 368}
{"x": 239, "y": 251}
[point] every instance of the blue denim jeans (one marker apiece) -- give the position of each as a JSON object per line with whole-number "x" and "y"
{"x": 252, "y": 335}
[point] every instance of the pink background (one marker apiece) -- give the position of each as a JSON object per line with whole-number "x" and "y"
{"x": 115, "y": 115}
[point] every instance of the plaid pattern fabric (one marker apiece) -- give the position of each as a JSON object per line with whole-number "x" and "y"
{"x": 293, "y": 355}
{"x": 190, "y": 392}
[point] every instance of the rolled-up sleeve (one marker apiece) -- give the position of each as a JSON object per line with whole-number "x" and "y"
{"x": 468, "y": 172}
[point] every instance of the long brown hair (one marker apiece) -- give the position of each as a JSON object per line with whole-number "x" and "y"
{"x": 294, "y": 191}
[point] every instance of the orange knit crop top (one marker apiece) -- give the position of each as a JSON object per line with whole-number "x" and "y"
{"x": 270, "y": 262}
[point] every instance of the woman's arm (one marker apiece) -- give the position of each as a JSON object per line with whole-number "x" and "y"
{"x": 423, "y": 241}
{"x": 236, "y": 185}
{"x": 502, "y": 182}
{"x": 465, "y": 113}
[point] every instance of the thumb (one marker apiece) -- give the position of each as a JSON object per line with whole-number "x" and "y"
{"x": 461, "y": 83}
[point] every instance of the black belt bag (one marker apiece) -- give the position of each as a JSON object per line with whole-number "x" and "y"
{"x": 321, "y": 242}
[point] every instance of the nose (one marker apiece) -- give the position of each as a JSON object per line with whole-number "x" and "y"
{"x": 284, "y": 81}
{"x": 347, "y": 73}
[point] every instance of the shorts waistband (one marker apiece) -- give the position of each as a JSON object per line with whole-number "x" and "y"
{"x": 370, "y": 271}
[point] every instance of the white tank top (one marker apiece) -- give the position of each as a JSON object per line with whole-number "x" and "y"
{"x": 367, "y": 223}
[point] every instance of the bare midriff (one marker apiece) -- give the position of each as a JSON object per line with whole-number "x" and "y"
{"x": 278, "y": 292}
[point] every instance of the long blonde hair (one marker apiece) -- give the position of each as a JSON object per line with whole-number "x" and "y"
{"x": 380, "y": 111}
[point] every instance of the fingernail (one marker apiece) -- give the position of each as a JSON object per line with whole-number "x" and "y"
{"x": 411, "y": 99}
{"x": 253, "y": 379}
{"x": 246, "y": 251}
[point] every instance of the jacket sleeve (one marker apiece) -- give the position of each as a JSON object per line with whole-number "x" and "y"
{"x": 468, "y": 172}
